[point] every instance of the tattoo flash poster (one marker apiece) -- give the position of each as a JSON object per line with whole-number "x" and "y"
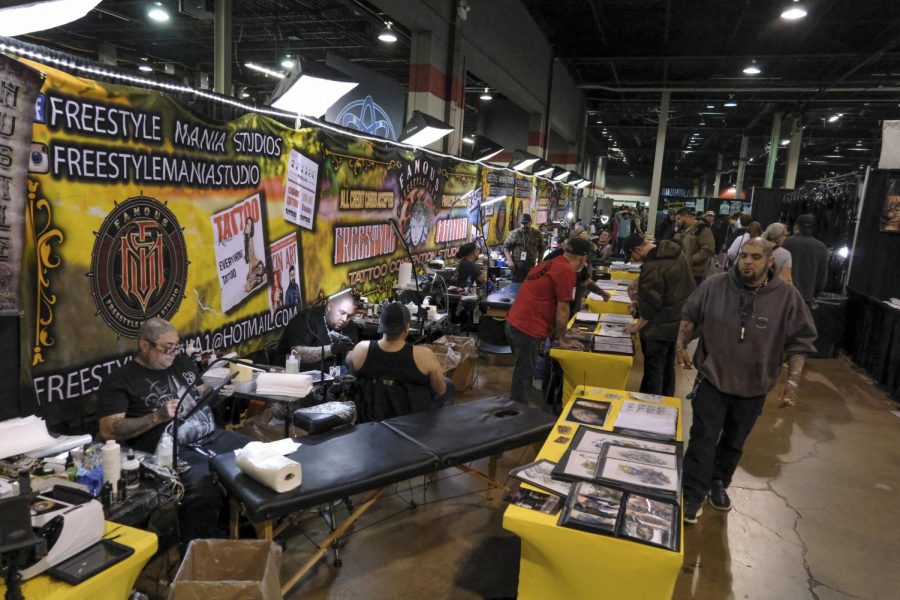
{"x": 300, "y": 191}
{"x": 284, "y": 291}
{"x": 239, "y": 247}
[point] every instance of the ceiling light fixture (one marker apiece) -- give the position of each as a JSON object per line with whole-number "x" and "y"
{"x": 264, "y": 70}
{"x": 468, "y": 140}
{"x": 834, "y": 118}
{"x": 793, "y": 12}
{"x": 785, "y": 142}
{"x": 158, "y": 13}
{"x": 145, "y": 68}
{"x": 730, "y": 104}
{"x": 486, "y": 95}
{"x": 38, "y": 16}
{"x": 521, "y": 160}
{"x": 422, "y": 129}
{"x": 562, "y": 175}
{"x": 752, "y": 69}
{"x": 387, "y": 34}
{"x": 288, "y": 62}
{"x": 542, "y": 168}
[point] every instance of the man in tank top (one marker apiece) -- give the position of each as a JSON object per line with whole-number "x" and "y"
{"x": 392, "y": 360}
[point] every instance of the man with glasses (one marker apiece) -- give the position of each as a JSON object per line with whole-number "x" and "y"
{"x": 136, "y": 406}
{"x": 748, "y": 320}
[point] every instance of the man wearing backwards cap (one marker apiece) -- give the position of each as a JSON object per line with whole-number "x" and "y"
{"x": 393, "y": 360}
{"x": 468, "y": 270}
{"x": 541, "y": 309}
{"x": 523, "y": 248}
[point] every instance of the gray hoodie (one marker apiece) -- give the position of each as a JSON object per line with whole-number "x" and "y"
{"x": 776, "y": 322}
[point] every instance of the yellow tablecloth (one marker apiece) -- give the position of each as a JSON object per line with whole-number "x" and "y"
{"x": 583, "y": 367}
{"x": 559, "y": 562}
{"x": 114, "y": 583}
{"x": 614, "y": 274}
{"x": 599, "y": 306}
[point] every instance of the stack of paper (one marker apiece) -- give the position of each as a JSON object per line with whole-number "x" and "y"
{"x": 655, "y": 419}
{"x": 587, "y": 317}
{"x": 612, "y": 318}
{"x": 295, "y": 385}
{"x": 616, "y": 330}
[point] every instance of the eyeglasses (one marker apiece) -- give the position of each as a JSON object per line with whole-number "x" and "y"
{"x": 168, "y": 348}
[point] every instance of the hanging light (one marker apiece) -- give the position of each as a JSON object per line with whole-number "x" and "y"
{"x": 310, "y": 89}
{"x": 288, "y": 62}
{"x": 521, "y": 160}
{"x": 158, "y": 13}
{"x": 486, "y": 95}
{"x": 793, "y": 12}
{"x": 752, "y": 69}
{"x": 145, "y": 68}
{"x": 387, "y": 34}
{"x": 423, "y": 129}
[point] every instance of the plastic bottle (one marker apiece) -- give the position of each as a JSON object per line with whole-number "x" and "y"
{"x": 131, "y": 470}
{"x": 111, "y": 455}
{"x": 164, "y": 451}
{"x": 291, "y": 364}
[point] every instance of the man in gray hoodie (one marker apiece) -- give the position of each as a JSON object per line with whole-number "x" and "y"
{"x": 748, "y": 320}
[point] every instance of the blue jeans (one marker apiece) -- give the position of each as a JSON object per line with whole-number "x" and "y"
{"x": 447, "y": 398}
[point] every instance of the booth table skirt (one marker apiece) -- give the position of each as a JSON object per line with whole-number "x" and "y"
{"x": 613, "y": 274}
{"x": 599, "y": 306}
{"x": 592, "y": 369}
{"x": 560, "y": 562}
{"x": 115, "y": 583}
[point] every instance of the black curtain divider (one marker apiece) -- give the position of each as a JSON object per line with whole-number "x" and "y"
{"x": 872, "y": 339}
{"x": 874, "y": 270}
{"x": 766, "y": 204}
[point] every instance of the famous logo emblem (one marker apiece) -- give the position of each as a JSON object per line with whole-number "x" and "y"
{"x": 368, "y": 117}
{"x": 139, "y": 265}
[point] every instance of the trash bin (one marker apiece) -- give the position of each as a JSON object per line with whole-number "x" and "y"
{"x": 829, "y": 314}
{"x": 229, "y": 570}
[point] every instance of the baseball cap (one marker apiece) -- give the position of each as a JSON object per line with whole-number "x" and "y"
{"x": 631, "y": 243}
{"x": 578, "y": 247}
{"x": 394, "y": 317}
{"x": 525, "y": 218}
{"x": 466, "y": 249}
{"x": 709, "y": 213}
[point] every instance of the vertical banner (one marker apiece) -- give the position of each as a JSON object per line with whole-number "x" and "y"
{"x": 19, "y": 86}
{"x": 285, "y": 289}
{"x": 239, "y": 249}
{"x": 300, "y": 192}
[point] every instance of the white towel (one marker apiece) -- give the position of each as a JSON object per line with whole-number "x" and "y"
{"x": 295, "y": 385}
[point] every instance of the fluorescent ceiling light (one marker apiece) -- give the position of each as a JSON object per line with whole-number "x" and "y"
{"x": 793, "y": 12}
{"x": 265, "y": 70}
{"x": 288, "y": 62}
{"x": 158, "y": 13}
{"x": 387, "y": 34}
{"x": 311, "y": 91}
{"x": 145, "y": 68}
{"x": 38, "y": 16}
{"x": 833, "y": 118}
{"x": 752, "y": 69}
{"x": 468, "y": 140}
{"x": 730, "y": 104}
{"x": 785, "y": 142}
{"x": 521, "y": 160}
{"x": 422, "y": 130}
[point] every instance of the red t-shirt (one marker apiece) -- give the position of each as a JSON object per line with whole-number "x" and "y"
{"x": 534, "y": 309}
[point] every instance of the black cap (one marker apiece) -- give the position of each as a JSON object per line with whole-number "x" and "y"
{"x": 578, "y": 247}
{"x": 525, "y": 218}
{"x": 394, "y": 317}
{"x": 466, "y": 249}
{"x": 806, "y": 224}
{"x": 631, "y": 243}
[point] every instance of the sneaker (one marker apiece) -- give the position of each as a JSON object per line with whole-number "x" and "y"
{"x": 692, "y": 511}
{"x": 718, "y": 497}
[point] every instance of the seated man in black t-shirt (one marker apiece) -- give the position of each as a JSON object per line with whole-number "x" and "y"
{"x": 322, "y": 333}
{"x": 468, "y": 272}
{"x": 412, "y": 370}
{"x": 136, "y": 406}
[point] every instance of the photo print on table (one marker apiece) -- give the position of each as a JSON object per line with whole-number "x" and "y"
{"x": 577, "y": 464}
{"x": 592, "y": 440}
{"x": 538, "y": 475}
{"x": 589, "y": 412}
{"x": 534, "y": 500}
{"x": 647, "y": 457}
{"x": 640, "y": 476}
{"x": 592, "y": 507}
{"x": 650, "y": 521}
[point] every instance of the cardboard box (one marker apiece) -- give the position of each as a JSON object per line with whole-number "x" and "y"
{"x": 463, "y": 376}
{"x": 229, "y": 570}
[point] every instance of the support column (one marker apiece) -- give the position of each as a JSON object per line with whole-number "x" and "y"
{"x": 429, "y": 91}
{"x": 774, "y": 144}
{"x": 537, "y": 138}
{"x": 660, "y": 154}
{"x": 793, "y": 157}
{"x": 107, "y": 54}
{"x": 718, "y": 180}
{"x": 742, "y": 166}
{"x": 222, "y": 48}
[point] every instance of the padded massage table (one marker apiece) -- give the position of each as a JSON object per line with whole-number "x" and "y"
{"x": 371, "y": 456}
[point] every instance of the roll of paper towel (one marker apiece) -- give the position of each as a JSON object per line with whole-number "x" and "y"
{"x": 404, "y": 274}
{"x": 267, "y": 466}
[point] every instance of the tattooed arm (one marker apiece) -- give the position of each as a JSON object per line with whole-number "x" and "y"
{"x": 685, "y": 335}
{"x": 311, "y": 354}
{"x": 120, "y": 427}
{"x": 792, "y": 385}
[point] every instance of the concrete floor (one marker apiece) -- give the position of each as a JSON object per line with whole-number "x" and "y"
{"x": 815, "y": 501}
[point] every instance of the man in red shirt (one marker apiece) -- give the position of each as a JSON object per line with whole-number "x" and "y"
{"x": 541, "y": 309}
